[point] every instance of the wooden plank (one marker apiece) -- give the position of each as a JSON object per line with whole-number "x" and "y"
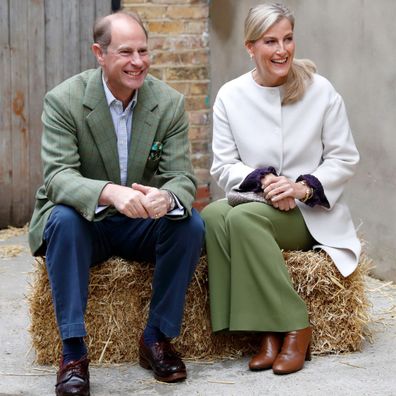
{"x": 103, "y": 7}
{"x": 36, "y": 45}
{"x": 19, "y": 94}
{"x": 5, "y": 117}
{"x": 54, "y": 52}
{"x": 71, "y": 38}
{"x": 87, "y": 18}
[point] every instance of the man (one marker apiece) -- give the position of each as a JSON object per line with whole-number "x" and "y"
{"x": 117, "y": 181}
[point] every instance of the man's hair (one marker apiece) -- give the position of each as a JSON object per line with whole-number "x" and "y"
{"x": 257, "y": 22}
{"x": 102, "y": 27}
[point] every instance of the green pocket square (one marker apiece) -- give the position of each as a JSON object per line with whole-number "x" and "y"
{"x": 155, "y": 151}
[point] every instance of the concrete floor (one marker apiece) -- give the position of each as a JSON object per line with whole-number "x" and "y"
{"x": 369, "y": 372}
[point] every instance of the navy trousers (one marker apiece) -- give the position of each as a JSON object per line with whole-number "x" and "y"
{"x": 75, "y": 244}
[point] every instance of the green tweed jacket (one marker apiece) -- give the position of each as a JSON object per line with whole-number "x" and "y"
{"x": 79, "y": 148}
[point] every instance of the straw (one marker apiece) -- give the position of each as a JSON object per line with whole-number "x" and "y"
{"x": 119, "y": 297}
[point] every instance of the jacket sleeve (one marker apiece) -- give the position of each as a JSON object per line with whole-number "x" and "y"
{"x": 227, "y": 168}
{"x": 340, "y": 155}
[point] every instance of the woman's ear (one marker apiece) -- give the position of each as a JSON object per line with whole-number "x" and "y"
{"x": 250, "y": 48}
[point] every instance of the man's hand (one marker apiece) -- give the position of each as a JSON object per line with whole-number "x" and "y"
{"x": 155, "y": 201}
{"x": 126, "y": 200}
{"x": 137, "y": 201}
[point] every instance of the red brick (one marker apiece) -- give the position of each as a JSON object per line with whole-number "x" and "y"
{"x": 128, "y": 3}
{"x": 166, "y": 27}
{"x": 200, "y": 161}
{"x": 179, "y": 1}
{"x": 200, "y": 205}
{"x": 157, "y": 72}
{"x": 147, "y": 12}
{"x": 187, "y": 73}
{"x": 202, "y": 192}
{"x": 188, "y": 42}
{"x": 187, "y": 58}
{"x": 182, "y": 87}
{"x": 199, "y": 147}
{"x": 161, "y": 43}
{"x": 202, "y": 175}
{"x": 196, "y": 27}
{"x": 188, "y": 12}
{"x": 179, "y": 46}
{"x": 198, "y": 133}
{"x": 199, "y": 88}
{"x": 199, "y": 117}
{"x": 196, "y": 102}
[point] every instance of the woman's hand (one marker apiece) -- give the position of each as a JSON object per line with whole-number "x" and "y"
{"x": 282, "y": 192}
{"x": 284, "y": 204}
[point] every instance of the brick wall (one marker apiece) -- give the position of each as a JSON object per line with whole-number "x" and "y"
{"x": 179, "y": 44}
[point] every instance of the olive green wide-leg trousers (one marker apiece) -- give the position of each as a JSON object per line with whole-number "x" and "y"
{"x": 249, "y": 285}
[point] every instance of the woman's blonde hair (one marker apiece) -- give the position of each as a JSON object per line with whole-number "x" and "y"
{"x": 257, "y": 22}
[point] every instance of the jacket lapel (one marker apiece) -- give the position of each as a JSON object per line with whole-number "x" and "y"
{"x": 144, "y": 127}
{"x": 101, "y": 125}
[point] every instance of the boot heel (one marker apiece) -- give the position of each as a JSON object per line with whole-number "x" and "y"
{"x": 308, "y": 353}
{"x": 144, "y": 363}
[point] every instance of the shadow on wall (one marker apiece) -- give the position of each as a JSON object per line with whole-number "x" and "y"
{"x": 222, "y": 19}
{"x": 220, "y": 11}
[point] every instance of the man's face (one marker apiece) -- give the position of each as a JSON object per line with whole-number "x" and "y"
{"x": 126, "y": 61}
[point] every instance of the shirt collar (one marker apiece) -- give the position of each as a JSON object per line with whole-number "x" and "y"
{"x": 110, "y": 98}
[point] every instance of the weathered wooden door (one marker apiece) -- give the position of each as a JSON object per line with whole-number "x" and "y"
{"x": 42, "y": 42}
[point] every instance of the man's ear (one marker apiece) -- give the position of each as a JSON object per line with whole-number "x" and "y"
{"x": 97, "y": 51}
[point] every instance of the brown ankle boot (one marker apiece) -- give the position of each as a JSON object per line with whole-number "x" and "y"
{"x": 270, "y": 346}
{"x": 295, "y": 350}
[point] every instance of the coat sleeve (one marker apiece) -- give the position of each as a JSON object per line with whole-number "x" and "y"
{"x": 63, "y": 181}
{"x": 227, "y": 168}
{"x": 340, "y": 155}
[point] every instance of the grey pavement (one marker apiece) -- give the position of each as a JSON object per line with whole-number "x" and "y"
{"x": 369, "y": 372}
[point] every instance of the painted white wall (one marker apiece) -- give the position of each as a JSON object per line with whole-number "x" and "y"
{"x": 353, "y": 44}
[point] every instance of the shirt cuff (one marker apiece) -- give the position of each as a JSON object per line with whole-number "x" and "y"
{"x": 100, "y": 208}
{"x": 318, "y": 196}
{"x": 252, "y": 181}
{"x": 178, "y": 210}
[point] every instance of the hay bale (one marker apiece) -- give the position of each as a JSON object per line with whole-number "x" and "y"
{"x": 119, "y": 298}
{"x": 8, "y": 251}
{"x": 11, "y": 232}
{"x": 338, "y": 307}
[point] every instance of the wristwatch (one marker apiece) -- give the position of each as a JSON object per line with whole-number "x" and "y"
{"x": 172, "y": 201}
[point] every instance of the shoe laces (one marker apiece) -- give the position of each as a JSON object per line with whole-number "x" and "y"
{"x": 166, "y": 350}
{"x": 76, "y": 368}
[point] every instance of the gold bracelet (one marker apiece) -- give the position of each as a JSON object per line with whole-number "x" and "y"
{"x": 308, "y": 191}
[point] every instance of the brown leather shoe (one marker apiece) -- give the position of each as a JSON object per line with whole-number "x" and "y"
{"x": 163, "y": 360}
{"x": 270, "y": 347}
{"x": 73, "y": 378}
{"x": 295, "y": 350}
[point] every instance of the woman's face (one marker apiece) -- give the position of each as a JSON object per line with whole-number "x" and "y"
{"x": 273, "y": 54}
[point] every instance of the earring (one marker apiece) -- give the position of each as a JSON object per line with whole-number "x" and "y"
{"x": 251, "y": 56}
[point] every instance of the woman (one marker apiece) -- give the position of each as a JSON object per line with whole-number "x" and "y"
{"x": 280, "y": 130}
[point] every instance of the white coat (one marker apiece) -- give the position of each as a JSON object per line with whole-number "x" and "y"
{"x": 253, "y": 130}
